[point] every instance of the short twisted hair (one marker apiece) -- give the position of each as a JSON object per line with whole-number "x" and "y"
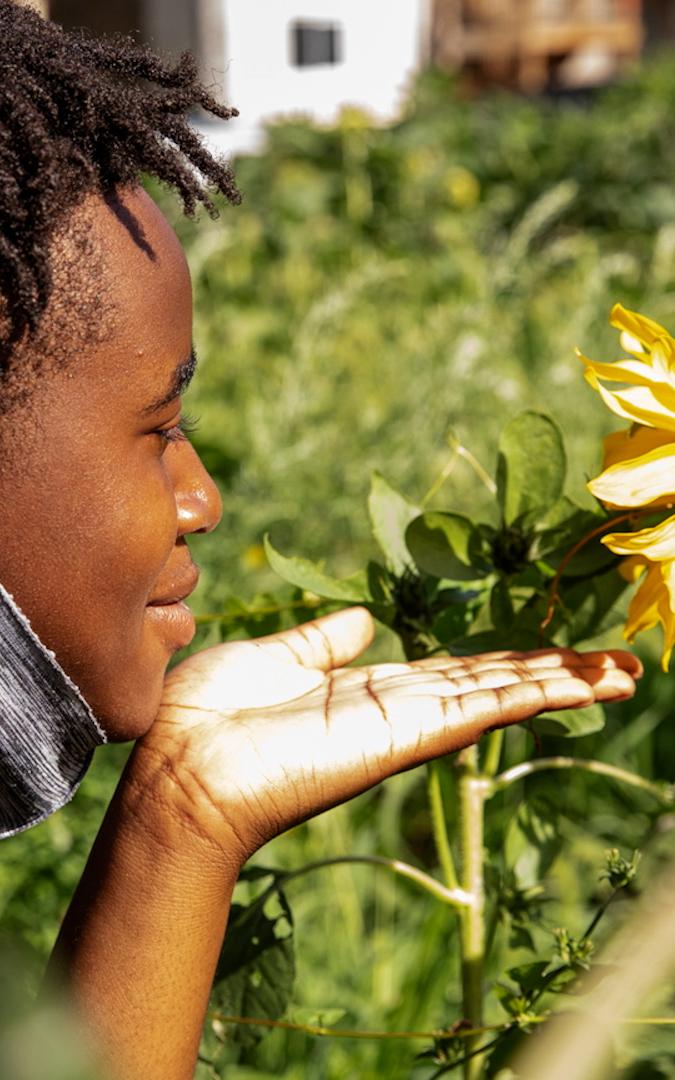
{"x": 81, "y": 115}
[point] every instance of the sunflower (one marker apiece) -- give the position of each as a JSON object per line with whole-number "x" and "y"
{"x": 639, "y": 466}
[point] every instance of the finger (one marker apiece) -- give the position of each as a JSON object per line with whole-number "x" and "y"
{"x": 547, "y": 657}
{"x": 325, "y": 643}
{"x": 537, "y": 658}
{"x": 442, "y": 724}
{"x": 484, "y": 710}
{"x": 605, "y": 684}
{"x": 617, "y": 658}
{"x": 608, "y": 684}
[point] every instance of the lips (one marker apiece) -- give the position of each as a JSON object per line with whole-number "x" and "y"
{"x": 176, "y": 589}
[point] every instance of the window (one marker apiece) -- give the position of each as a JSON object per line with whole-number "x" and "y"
{"x": 315, "y": 43}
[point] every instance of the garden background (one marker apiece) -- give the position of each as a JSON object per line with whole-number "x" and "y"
{"x": 382, "y": 296}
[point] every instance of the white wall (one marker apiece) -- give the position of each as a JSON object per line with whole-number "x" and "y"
{"x": 383, "y": 42}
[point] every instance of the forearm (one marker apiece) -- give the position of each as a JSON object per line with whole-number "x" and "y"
{"x": 141, "y": 938}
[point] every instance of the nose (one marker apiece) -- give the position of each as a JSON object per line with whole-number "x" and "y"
{"x": 198, "y": 503}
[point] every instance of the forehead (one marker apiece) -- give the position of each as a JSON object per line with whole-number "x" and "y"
{"x": 146, "y": 283}
{"x": 118, "y": 326}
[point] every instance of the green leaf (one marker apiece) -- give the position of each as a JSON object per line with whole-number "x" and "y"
{"x": 591, "y": 608}
{"x": 516, "y": 639}
{"x": 390, "y": 514}
{"x": 452, "y": 623}
{"x": 561, "y": 527}
{"x": 256, "y": 969}
{"x": 529, "y": 977}
{"x": 308, "y": 575}
{"x": 571, "y": 723}
{"x": 501, "y": 606}
{"x": 531, "y": 466}
{"x": 531, "y": 844}
{"x": 446, "y": 546}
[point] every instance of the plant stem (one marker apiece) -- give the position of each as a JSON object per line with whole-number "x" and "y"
{"x": 493, "y": 753}
{"x": 254, "y": 612}
{"x": 350, "y": 1033}
{"x": 454, "y": 896}
{"x": 471, "y": 792}
{"x": 554, "y": 595}
{"x": 439, "y": 826}
{"x": 602, "y": 768}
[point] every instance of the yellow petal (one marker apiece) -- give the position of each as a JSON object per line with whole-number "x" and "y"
{"x": 633, "y": 372}
{"x": 633, "y": 443}
{"x": 656, "y": 544}
{"x": 638, "y": 326}
{"x": 666, "y": 608}
{"x": 633, "y": 567}
{"x": 632, "y": 345}
{"x": 638, "y": 404}
{"x": 668, "y": 576}
{"x": 638, "y": 481}
{"x": 662, "y": 357}
{"x": 643, "y": 612}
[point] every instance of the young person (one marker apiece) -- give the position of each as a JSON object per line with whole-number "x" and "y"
{"x": 100, "y": 490}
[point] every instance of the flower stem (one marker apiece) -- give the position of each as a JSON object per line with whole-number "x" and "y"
{"x": 471, "y": 794}
{"x": 554, "y": 595}
{"x": 493, "y": 753}
{"x": 664, "y": 794}
{"x": 439, "y": 826}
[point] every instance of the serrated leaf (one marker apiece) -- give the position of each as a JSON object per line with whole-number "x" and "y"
{"x": 561, "y": 527}
{"x": 497, "y": 1065}
{"x": 390, "y": 514}
{"x": 446, "y": 546}
{"x": 590, "y": 608}
{"x": 452, "y": 623}
{"x": 308, "y": 575}
{"x": 529, "y": 977}
{"x": 256, "y": 969}
{"x": 571, "y": 723}
{"x": 531, "y": 844}
{"x": 531, "y": 466}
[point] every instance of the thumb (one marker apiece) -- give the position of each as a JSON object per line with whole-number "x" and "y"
{"x": 325, "y": 643}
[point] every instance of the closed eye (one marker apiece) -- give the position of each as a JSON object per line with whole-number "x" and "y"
{"x": 181, "y": 430}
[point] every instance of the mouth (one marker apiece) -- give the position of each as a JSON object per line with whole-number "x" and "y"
{"x": 176, "y": 591}
{"x": 168, "y": 610}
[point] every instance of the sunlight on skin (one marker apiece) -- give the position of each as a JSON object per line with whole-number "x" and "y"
{"x": 267, "y": 732}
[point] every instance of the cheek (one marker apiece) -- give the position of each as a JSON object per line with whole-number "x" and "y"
{"x": 96, "y": 544}
{"x": 130, "y": 533}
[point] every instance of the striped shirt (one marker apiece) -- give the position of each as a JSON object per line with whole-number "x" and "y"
{"x": 47, "y": 731}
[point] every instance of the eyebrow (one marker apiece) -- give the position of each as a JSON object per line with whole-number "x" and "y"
{"x": 180, "y": 380}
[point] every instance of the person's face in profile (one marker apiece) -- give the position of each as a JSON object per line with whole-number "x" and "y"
{"x": 105, "y": 488}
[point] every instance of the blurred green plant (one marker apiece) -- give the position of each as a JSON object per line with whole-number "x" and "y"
{"x": 527, "y": 577}
{"x": 377, "y": 288}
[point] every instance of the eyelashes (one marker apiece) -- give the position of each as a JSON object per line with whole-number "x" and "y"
{"x": 181, "y": 431}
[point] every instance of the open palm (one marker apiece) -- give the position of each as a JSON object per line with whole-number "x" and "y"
{"x": 262, "y": 734}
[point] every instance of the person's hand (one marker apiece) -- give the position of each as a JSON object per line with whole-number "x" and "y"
{"x": 255, "y": 736}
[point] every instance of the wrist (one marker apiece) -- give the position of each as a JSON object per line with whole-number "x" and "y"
{"x": 160, "y": 798}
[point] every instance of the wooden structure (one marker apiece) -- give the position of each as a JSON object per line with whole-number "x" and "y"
{"x": 524, "y": 43}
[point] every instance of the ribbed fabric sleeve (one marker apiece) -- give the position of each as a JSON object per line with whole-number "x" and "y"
{"x": 47, "y": 731}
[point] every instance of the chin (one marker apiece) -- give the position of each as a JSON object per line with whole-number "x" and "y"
{"x": 131, "y": 712}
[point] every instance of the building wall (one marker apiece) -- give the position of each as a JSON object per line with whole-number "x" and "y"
{"x": 381, "y": 44}
{"x": 124, "y": 16}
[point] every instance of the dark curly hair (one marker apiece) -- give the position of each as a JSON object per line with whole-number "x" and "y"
{"x": 82, "y": 115}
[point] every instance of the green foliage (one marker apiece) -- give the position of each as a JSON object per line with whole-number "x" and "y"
{"x": 470, "y": 585}
{"x": 255, "y": 972}
{"x": 378, "y": 288}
